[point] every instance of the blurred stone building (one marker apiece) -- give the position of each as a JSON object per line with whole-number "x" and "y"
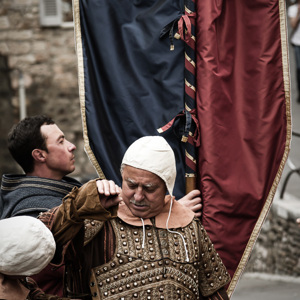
{"x": 38, "y": 73}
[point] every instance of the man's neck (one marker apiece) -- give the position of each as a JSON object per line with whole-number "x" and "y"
{"x": 45, "y": 174}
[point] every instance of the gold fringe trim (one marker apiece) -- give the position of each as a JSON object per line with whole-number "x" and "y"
{"x": 190, "y": 157}
{"x": 267, "y": 205}
{"x": 189, "y": 60}
{"x": 79, "y": 52}
{"x": 187, "y": 10}
{"x": 187, "y": 108}
{"x": 189, "y": 85}
{"x": 190, "y": 175}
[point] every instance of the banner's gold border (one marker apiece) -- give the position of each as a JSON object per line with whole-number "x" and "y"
{"x": 79, "y": 53}
{"x": 267, "y": 205}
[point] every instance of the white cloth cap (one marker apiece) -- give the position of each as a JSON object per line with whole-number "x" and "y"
{"x": 153, "y": 154}
{"x": 27, "y": 246}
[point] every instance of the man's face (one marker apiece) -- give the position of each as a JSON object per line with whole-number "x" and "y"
{"x": 60, "y": 158}
{"x": 143, "y": 192}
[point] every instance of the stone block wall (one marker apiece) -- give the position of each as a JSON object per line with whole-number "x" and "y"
{"x": 277, "y": 250}
{"x": 46, "y": 57}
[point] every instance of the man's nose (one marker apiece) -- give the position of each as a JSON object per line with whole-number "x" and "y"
{"x": 139, "y": 194}
{"x": 71, "y": 147}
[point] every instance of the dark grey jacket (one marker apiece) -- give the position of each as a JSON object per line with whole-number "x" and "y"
{"x": 30, "y": 195}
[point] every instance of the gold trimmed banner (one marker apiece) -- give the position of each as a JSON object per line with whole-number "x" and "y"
{"x": 286, "y": 79}
{"x": 242, "y": 98}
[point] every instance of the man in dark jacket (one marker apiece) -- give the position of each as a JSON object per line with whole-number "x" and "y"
{"x": 46, "y": 156}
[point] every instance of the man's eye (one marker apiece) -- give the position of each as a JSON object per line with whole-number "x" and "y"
{"x": 150, "y": 189}
{"x": 131, "y": 186}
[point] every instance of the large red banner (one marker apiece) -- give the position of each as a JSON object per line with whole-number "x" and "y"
{"x": 131, "y": 84}
{"x": 243, "y": 107}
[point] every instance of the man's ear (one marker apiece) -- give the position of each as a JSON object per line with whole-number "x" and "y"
{"x": 39, "y": 155}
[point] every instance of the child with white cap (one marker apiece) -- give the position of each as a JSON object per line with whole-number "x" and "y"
{"x": 26, "y": 247}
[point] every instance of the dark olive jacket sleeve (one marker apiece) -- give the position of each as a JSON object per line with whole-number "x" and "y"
{"x": 66, "y": 220}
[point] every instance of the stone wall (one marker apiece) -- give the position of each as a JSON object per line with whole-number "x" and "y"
{"x": 277, "y": 250}
{"x": 46, "y": 57}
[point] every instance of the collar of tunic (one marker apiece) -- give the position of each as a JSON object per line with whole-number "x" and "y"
{"x": 180, "y": 215}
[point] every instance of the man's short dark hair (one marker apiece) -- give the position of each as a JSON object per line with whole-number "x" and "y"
{"x": 26, "y": 136}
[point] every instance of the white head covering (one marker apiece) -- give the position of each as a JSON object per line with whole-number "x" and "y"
{"x": 27, "y": 246}
{"x": 153, "y": 154}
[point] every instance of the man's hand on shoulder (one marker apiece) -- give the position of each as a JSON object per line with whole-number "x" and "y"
{"x": 193, "y": 201}
{"x": 109, "y": 193}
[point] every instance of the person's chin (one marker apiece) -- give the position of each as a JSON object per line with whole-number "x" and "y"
{"x": 69, "y": 171}
{"x": 139, "y": 211}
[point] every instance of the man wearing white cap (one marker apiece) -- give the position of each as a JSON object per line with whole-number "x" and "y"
{"x": 153, "y": 249}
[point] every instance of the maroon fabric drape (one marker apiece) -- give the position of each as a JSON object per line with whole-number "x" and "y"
{"x": 243, "y": 114}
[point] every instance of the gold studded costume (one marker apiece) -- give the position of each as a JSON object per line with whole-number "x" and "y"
{"x": 121, "y": 259}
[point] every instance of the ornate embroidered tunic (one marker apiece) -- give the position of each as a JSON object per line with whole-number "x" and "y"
{"x": 112, "y": 259}
{"x": 159, "y": 270}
